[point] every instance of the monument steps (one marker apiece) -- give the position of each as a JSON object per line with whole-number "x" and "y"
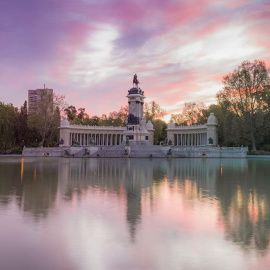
{"x": 115, "y": 151}
{"x": 146, "y": 151}
{"x": 137, "y": 151}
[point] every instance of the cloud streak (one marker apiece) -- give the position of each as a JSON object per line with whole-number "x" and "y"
{"x": 89, "y": 50}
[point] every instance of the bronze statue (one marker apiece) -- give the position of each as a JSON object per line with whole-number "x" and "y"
{"x": 135, "y": 80}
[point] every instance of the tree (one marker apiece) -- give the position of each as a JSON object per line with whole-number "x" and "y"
{"x": 82, "y": 114}
{"x": 178, "y": 119}
{"x": 22, "y": 131}
{"x": 242, "y": 93}
{"x": 50, "y": 107}
{"x": 7, "y": 123}
{"x": 115, "y": 118}
{"x": 152, "y": 111}
{"x": 230, "y": 130}
{"x": 71, "y": 112}
{"x": 160, "y": 132}
{"x": 192, "y": 114}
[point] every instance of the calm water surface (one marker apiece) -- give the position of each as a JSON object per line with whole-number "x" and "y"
{"x": 134, "y": 214}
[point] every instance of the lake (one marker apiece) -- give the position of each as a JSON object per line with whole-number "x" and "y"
{"x": 61, "y": 213}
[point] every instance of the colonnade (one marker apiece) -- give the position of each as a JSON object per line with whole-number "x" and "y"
{"x": 190, "y": 139}
{"x": 99, "y": 139}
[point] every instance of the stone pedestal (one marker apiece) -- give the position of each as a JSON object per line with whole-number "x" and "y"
{"x": 137, "y": 130}
{"x": 212, "y": 135}
{"x": 64, "y": 134}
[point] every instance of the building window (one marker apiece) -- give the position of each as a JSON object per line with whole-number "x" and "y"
{"x": 146, "y": 138}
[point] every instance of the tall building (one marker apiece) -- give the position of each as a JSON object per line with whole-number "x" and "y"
{"x": 37, "y": 96}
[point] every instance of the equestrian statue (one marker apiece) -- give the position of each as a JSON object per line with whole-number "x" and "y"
{"x": 135, "y": 81}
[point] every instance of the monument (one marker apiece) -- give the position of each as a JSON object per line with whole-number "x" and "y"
{"x": 136, "y": 138}
{"x": 137, "y": 130}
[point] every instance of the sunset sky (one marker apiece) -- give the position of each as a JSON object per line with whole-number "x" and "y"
{"x": 89, "y": 50}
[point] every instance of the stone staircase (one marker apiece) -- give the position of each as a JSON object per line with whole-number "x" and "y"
{"x": 146, "y": 151}
{"x": 115, "y": 151}
{"x": 137, "y": 151}
{"x": 81, "y": 153}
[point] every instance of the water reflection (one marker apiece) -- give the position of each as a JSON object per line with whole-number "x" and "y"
{"x": 177, "y": 196}
{"x": 244, "y": 199}
{"x": 20, "y": 183}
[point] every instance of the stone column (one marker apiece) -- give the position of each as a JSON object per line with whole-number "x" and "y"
{"x": 137, "y": 108}
{"x": 110, "y": 139}
{"x": 181, "y": 136}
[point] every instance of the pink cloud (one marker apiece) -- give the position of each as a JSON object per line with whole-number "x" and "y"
{"x": 41, "y": 41}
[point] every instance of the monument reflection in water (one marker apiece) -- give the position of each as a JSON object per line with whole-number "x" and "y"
{"x": 134, "y": 214}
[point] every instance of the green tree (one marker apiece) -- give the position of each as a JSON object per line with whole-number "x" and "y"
{"x": 153, "y": 112}
{"x": 7, "y": 123}
{"x": 242, "y": 93}
{"x": 71, "y": 112}
{"x": 115, "y": 118}
{"x": 160, "y": 132}
{"x": 22, "y": 132}
{"x": 49, "y": 108}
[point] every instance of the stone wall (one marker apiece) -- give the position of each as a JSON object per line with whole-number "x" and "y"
{"x": 139, "y": 151}
{"x": 58, "y": 151}
{"x": 210, "y": 152}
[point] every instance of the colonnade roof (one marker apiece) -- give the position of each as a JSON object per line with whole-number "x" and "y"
{"x": 82, "y": 127}
{"x": 187, "y": 128}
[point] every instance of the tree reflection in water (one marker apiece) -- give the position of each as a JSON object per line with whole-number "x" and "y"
{"x": 240, "y": 190}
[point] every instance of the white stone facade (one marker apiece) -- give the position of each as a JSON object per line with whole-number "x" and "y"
{"x": 197, "y": 135}
{"x": 90, "y": 135}
{"x": 107, "y": 136}
{"x": 138, "y": 130}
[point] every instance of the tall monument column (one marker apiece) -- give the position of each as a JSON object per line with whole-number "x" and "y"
{"x": 137, "y": 129}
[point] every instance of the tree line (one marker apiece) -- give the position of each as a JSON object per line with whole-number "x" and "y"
{"x": 242, "y": 111}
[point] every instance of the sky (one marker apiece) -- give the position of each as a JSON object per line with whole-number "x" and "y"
{"x": 89, "y": 50}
